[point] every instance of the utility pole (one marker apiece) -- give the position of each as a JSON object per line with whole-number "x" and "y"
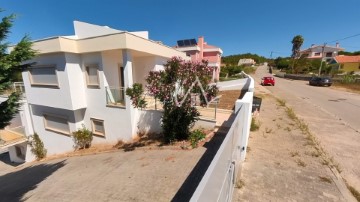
{"x": 322, "y": 58}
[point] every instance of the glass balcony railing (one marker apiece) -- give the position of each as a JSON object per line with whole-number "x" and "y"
{"x": 115, "y": 96}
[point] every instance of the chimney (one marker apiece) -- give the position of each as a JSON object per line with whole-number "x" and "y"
{"x": 201, "y": 46}
{"x": 337, "y": 45}
{"x": 312, "y": 45}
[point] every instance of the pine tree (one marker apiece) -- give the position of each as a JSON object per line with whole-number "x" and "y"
{"x": 10, "y": 63}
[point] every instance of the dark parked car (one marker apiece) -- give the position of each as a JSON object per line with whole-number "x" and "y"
{"x": 320, "y": 81}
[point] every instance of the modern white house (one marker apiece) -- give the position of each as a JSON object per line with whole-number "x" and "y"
{"x": 324, "y": 52}
{"x": 80, "y": 80}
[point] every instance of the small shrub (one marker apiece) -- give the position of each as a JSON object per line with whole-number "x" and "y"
{"x": 195, "y": 137}
{"x": 82, "y": 138}
{"x": 239, "y": 184}
{"x": 254, "y": 125}
{"x": 37, "y": 146}
{"x": 136, "y": 95}
{"x": 281, "y": 103}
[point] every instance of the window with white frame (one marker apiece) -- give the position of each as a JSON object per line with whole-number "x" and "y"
{"x": 98, "y": 127}
{"x": 56, "y": 123}
{"x": 43, "y": 75}
{"x": 92, "y": 75}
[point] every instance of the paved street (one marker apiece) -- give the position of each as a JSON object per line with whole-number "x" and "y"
{"x": 332, "y": 115}
{"x": 141, "y": 175}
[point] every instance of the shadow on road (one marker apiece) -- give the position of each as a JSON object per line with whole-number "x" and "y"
{"x": 189, "y": 186}
{"x": 14, "y": 186}
{"x": 5, "y": 158}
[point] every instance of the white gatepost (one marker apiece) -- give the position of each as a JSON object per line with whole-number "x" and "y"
{"x": 246, "y": 103}
{"x": 128, "y": 78}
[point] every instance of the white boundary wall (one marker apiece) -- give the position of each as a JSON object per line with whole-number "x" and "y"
{"x": 219, "y": 180}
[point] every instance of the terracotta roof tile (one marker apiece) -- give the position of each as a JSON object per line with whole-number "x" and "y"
{"x": 345, "y": 58}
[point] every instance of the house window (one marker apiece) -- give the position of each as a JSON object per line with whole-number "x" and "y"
{"x": 98, "y": 127}
{"x": 92, "y": 75}
{"x": 56, "y": 123}
{"x": 317, "y": 54}
{"x": 43, "y": 76}
{"x": 329, "y": 54}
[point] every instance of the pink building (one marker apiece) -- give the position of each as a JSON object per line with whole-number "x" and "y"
{"x": 200, "y": 50}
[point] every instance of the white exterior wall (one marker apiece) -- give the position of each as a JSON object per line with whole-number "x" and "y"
{"x": 77, "y": 81}
{"x": 143, "y": 65}
{"x": 116, "y": 120}
{"x": 112, "y": 61}
{"x": 56, "y": 97}
{"x": 25, "y": 117}
{"x": 12, "y": 153}
{"x": 54, "y": 142}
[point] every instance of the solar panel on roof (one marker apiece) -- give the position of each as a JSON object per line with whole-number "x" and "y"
{"x": 180, "y": 43}
{"x": 186, "y": 42}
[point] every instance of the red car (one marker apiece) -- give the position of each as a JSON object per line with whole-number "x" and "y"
{"x": 268, "y": 80}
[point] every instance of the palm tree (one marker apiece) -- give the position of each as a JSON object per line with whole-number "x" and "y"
{"x": 297, "y": 42}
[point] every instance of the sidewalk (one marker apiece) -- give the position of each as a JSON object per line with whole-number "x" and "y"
{"x": 282, "y": 164}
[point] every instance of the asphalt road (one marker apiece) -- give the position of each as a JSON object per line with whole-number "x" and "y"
{"x": 332, "y": 115}
{"x": 343, "y": 105}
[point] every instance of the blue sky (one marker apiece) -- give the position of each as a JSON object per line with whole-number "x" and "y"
{"x": 237, "y": 26}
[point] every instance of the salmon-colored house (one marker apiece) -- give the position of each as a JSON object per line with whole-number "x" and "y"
{"x": 199, "y": 50}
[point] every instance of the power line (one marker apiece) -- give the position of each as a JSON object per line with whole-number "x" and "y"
{"x": 345, "y": 38}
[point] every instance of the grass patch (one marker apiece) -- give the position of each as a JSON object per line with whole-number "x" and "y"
{"x": 291, "y": 114}
{"x": 255, "y": 125}
{"x": 353, "y": 87}
{"x": 325, "y": 179}
{"x": 239, "y": 184}
{"x": 281, "y": 102}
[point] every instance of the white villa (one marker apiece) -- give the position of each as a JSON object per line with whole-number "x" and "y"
{"x": 80, "y": 79}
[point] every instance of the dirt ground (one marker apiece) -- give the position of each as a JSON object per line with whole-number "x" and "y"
{"x": 285, "y": 163}
{"x": 228, "y": 99}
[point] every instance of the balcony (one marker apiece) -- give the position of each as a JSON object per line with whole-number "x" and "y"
{"x": 115, "y": 96}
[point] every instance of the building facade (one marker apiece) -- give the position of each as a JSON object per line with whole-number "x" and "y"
{"x": 346, "y": 63}
{"x": 199, "y": 50}
{"x": 324, "y": 52}
{"x": 80, "y": 80}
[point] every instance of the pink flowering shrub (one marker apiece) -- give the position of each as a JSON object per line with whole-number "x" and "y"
{"x": 173, "y": 87}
